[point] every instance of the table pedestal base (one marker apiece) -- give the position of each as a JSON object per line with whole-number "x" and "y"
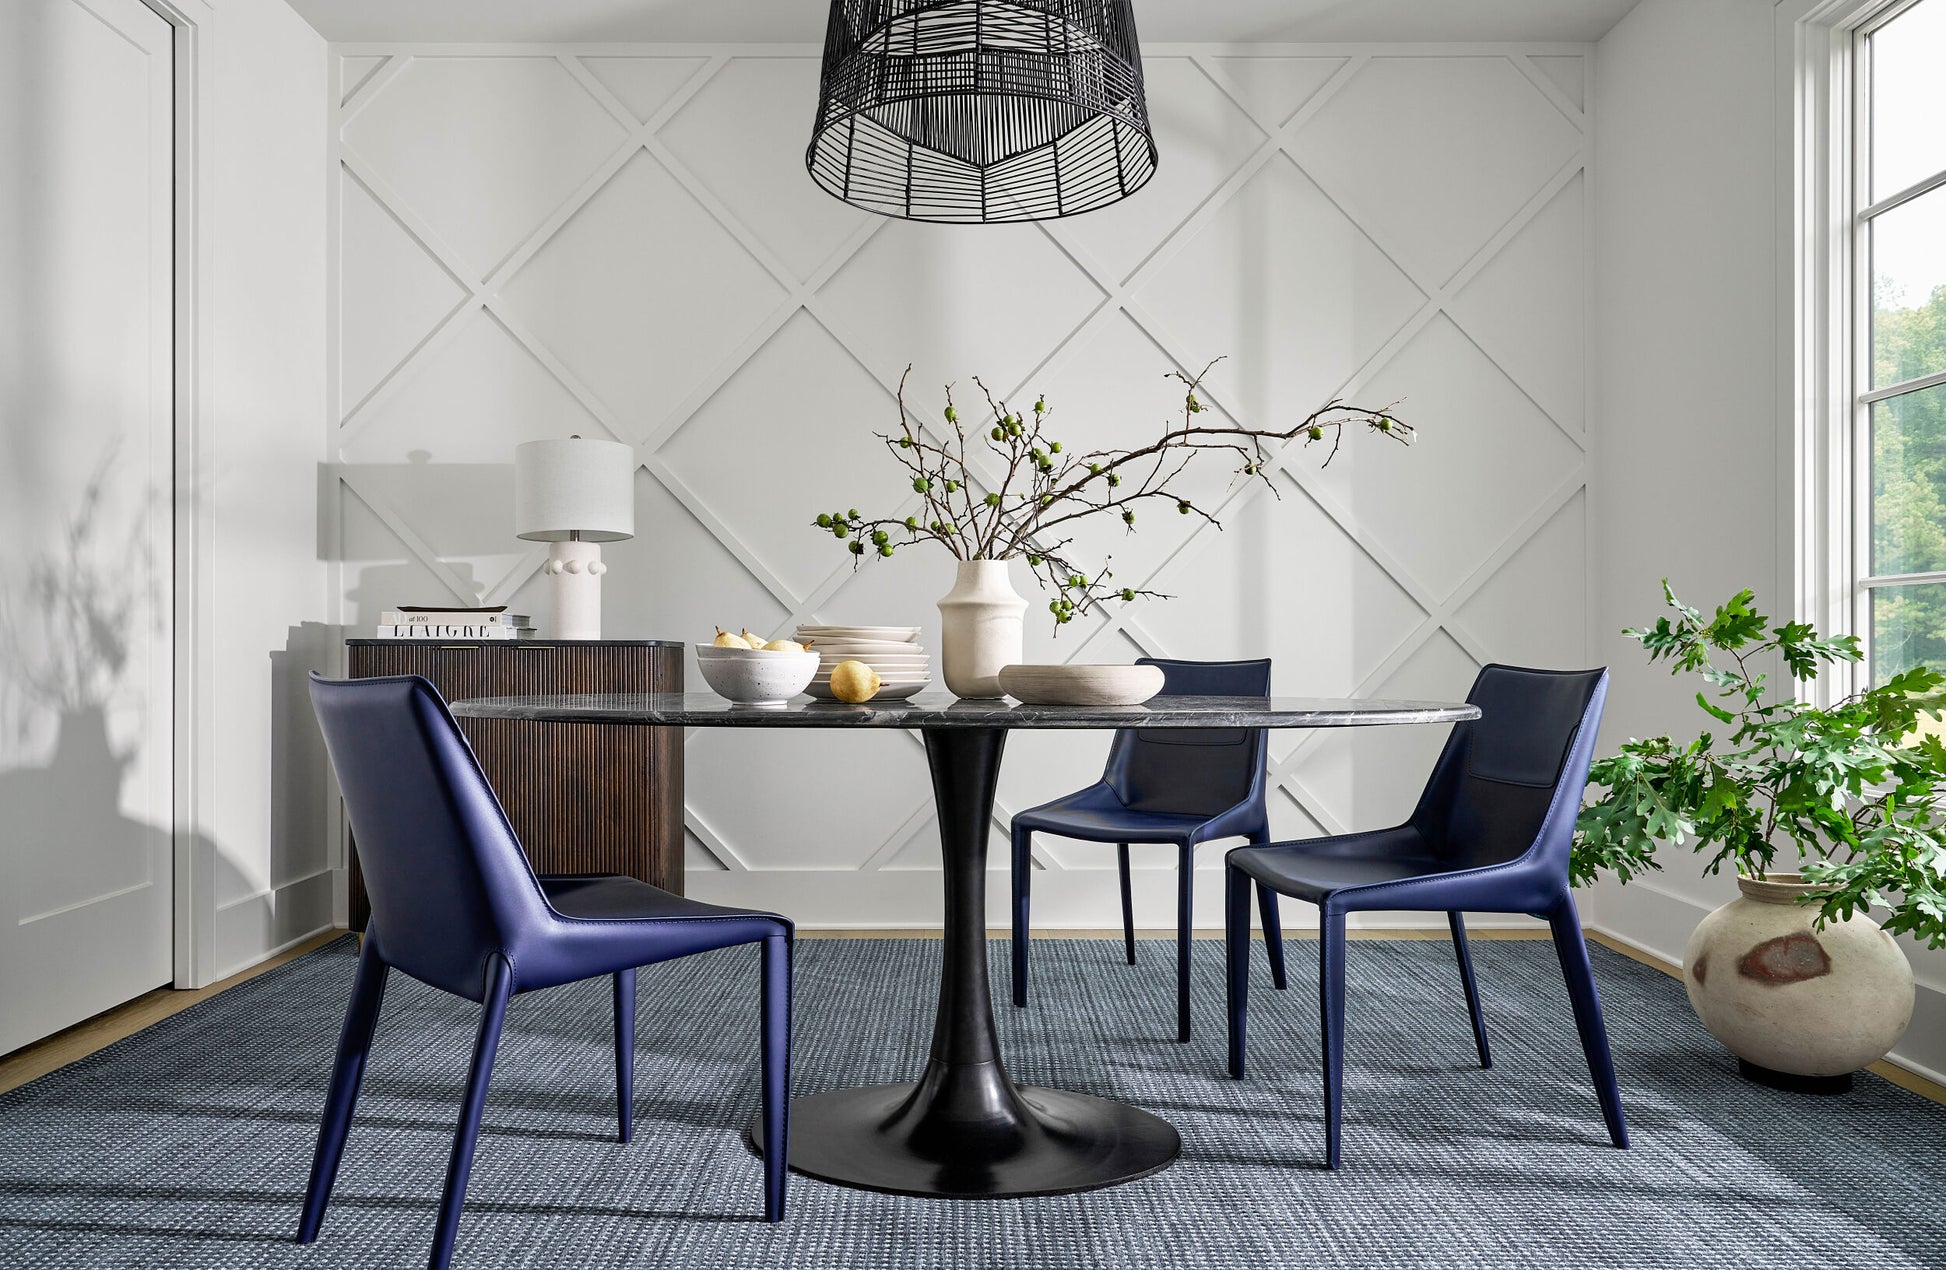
{"x": 964, "y": 1130}
{"x": 888, "y": 1138}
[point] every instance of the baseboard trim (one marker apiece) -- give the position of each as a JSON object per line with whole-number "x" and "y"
{"x": 274, "y": 956}
{"x": 250, "y": 928}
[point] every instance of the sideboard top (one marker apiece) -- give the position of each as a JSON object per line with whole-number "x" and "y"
{"x": 517, "y": 643}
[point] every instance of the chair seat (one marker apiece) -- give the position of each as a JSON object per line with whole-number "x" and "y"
{"x": 1314, "y": 869}
{"x": 1096, "y": 815}
{"x": 611, "y": 897}
{"x": 611, "y": 923}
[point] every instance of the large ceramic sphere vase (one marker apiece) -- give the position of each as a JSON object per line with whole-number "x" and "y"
{"x": 980, "y": 628}
{"x": 1802, "y": 1008}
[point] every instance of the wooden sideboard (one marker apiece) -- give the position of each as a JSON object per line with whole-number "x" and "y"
{"x": 595, "y": 798}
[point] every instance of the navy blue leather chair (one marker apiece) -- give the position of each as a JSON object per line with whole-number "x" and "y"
{"x": 1181, "y": 786}
{"x": 1490, "y": 834}
{"x": 456, "y": 905}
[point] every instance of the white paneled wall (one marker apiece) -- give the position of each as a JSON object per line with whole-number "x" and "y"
{"x": 621, "y": 241}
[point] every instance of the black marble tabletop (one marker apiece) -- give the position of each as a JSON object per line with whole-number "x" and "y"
{"x": 707, "y": 710}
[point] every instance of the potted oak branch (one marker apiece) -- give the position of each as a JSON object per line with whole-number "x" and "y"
{"x": 1001, "y": 487}
{"x": 1794, "y": 976}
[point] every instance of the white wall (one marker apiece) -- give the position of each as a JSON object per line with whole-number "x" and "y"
{"x": 539, "y": 240}
{"x": 1694, "y": 432}
{"x": 263, "y": 875}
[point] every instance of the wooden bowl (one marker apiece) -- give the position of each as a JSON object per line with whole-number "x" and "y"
{"x": 1081, "y": 685}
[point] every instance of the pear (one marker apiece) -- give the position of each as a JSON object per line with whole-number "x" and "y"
{"x": 854, "y": 681}
{"x": 726, "y": 640}
{"x": 754, "y": 641}
{"x": 783, "y": 646}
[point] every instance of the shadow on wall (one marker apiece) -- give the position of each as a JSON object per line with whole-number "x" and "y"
{"x": 77, "y": 624}
{"x": 242, "y": 914}
{"x": 70, "y": 624}
{"x": 69, "y": 840}
{"x": 85, "y": 741}
{"x": 461, "y": 511}
{"x": 297, "y": 758}
{"x": 300, "y": 845}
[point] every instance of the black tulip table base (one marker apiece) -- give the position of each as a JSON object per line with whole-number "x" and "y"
{"x": 967, "y": 1134}
{"x": 906, "y": 1140}
{"x": 964, "y": 1130}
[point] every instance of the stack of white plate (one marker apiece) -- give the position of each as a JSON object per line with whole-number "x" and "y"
{"x": 891, "y": 651}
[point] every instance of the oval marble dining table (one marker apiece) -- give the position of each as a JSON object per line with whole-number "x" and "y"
{"x": 963, "y": 1129}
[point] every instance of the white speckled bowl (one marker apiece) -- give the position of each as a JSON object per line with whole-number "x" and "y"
{"x": 755, "y": 678}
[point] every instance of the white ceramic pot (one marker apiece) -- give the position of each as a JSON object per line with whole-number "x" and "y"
{"x": 980, "y": 628}
{"x": 1789, "y": 998}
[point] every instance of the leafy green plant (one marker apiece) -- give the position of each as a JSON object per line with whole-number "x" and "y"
{"x": 1854, "y": 787}
{"x": 1006, "y": 487}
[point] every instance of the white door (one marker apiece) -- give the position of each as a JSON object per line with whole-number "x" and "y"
{"x": 86, "y": 491}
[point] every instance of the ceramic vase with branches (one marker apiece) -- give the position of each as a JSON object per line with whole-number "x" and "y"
{"x": 1037, "y": 494}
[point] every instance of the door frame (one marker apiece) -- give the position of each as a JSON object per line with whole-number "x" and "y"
{"x": 194, "y": 176}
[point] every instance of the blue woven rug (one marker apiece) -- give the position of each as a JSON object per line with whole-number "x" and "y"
{"x": 187, "y": 1145}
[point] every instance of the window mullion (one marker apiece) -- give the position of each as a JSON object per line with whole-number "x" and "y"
{"x": 1904, "y": 388}
{"x": 1924, "y": 578}
{"x": 1857, "y": 525}
{"x": 1904, "y": 196}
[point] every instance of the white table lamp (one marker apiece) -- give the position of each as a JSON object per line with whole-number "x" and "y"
{"x": 575, "y": 494}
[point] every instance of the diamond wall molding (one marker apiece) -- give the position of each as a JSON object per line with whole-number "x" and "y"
{"x": 407, "y": 535}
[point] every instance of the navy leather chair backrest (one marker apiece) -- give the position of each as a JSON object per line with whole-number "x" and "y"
{"x": 448, "y": 881}
{"x": 1499, "y": 776}
{"x": 1193, "y": 771}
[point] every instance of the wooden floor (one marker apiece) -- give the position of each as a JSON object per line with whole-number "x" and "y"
{"x": 105, "y": 1029}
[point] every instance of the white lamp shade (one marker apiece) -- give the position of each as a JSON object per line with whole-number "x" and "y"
{"x": 577, "y": 486}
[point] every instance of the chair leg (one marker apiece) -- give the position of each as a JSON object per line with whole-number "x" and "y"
{"x": 1331, "y": 1013}
{"x": 1236, "y": 960}
{"x": 1273, "y": 924}
{"x": 354, "y": 1043}
{"x": 1185, "y": 913}
{"x": 1273, "y": 935}
{"x": 1458, "y": 924}
{"x": 776, "y": 1045}
{"x": 1128, "y": 903}
{"x": 625, "y": 1052}
{"x": 493, "y": 1013}
{"x": 1572, "y": 949}
{"x": 1023, "y": 886}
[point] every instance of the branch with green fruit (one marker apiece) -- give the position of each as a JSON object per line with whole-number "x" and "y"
{"x": 1045, "y": 488}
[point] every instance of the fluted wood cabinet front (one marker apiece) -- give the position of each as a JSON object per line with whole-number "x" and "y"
{"x": 584, "y": 798}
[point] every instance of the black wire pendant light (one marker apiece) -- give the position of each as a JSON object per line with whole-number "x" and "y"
{"x": 981, "y": 110}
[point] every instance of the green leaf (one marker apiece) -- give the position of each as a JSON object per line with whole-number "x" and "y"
{"x": 1736, "y": 623}
{"x": 1718, "y": 711}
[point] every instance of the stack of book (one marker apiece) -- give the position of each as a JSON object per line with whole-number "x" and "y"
{"x": 418, "y": 623}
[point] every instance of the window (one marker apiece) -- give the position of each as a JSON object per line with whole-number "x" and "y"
{"x": 1899, "y": 331}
